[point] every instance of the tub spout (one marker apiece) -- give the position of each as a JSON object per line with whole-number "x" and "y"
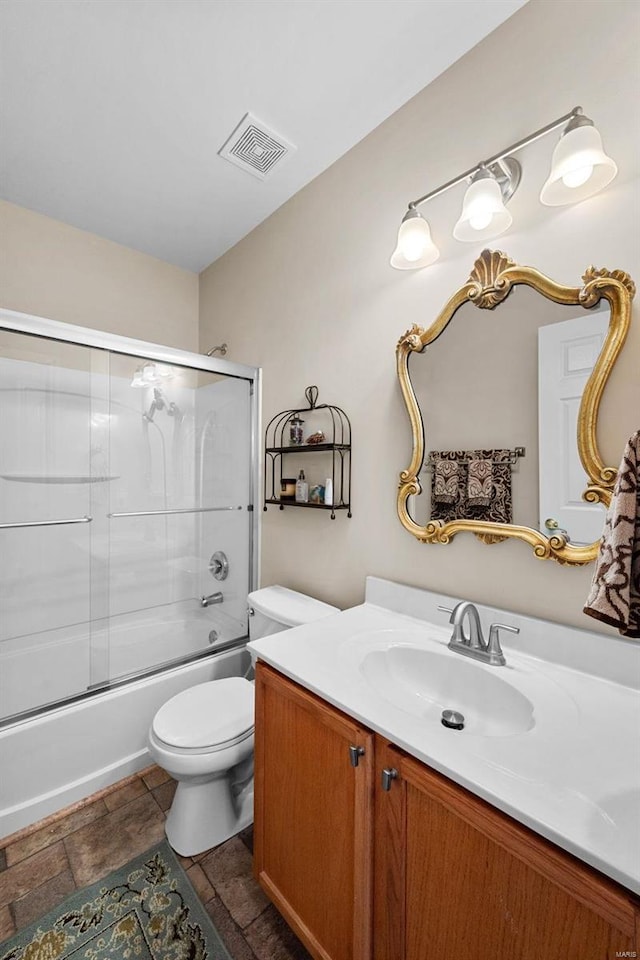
{"x": 213, "y": 598}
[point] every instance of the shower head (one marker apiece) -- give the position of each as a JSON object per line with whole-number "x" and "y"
{"x": 221, "y": 349}
{"x": 160, "y": 403}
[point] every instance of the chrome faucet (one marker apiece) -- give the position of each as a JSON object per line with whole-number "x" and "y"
{"x": 473, "y": 644}
{"x": 212, "y": 598}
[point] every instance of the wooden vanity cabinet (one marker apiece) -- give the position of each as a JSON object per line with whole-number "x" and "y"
{"x": 423, "y": 870}
{"x": 456, "y": 879}
{"x": 314, "y": 817}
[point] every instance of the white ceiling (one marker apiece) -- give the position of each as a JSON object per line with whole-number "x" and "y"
{"x": 113, "y": 111}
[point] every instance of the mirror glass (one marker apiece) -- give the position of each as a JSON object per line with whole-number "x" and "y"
{"x": 497, "y": 380}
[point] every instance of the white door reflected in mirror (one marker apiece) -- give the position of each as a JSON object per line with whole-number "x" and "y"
{"x": 567, "y": 352}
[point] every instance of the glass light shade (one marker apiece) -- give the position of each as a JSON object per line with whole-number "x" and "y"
{"x": 151, "y": 375}
{"x": 484, "y": 214}
{"x": 579, "y": 168}
{"x": 414, "y": 248}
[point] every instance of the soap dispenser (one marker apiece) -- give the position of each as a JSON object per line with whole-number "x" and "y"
{"x": 302, "y": 489}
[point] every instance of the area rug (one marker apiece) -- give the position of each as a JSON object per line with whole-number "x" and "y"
{"x": 146, "y": 910}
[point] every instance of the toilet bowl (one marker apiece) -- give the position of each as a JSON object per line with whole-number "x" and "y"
{"x": 203, "y": 737}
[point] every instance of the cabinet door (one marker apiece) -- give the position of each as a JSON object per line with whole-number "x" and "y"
{"x": 476, "y": 885}
{"x": 313, "y": 818}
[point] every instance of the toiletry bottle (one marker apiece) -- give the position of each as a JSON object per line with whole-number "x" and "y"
{"x": 296, "y": 428}
{"x": 328, "y": 492}
{"x": 302, "y": 489}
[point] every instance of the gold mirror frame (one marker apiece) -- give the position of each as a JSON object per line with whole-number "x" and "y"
{"x": 492, "y": 278}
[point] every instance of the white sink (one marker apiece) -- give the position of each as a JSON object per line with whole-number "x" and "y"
{"x": 550, "y": 738}
{"x": 423, "y": 683}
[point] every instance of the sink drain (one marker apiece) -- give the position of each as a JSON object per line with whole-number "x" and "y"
{"x": 452, "y": 719}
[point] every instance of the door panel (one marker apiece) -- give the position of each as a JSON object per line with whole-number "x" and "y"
{"x": 567, "y": 352}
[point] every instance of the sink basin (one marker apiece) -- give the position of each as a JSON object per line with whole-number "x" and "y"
{"x": 423, "y": 683}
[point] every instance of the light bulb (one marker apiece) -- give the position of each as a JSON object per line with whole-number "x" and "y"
{"x": 414, "y": 248}
{"x": 480, "y": 220}
{"x": 484, "y": 214}
{"x": 412, "y": 239}
{"x": 579, "y": 167}
{"x": 575, "y": 178}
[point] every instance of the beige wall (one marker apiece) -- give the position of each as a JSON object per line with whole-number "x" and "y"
{"x": 310, "y": 297}
{"x": 50, "y": 269}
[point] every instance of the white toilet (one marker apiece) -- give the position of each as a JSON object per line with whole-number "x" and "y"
{"x": 203, "y": 736}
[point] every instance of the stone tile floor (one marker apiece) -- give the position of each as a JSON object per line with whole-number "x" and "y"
{"x": 41, "y": 865}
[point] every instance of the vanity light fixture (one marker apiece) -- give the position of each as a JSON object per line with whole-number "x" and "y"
{"x": 150, "y": 374}
{"x": 579, "y": 168}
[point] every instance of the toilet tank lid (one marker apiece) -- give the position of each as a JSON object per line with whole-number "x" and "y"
{"x": 207, "y": 714}
{"x": 288, "y": 606}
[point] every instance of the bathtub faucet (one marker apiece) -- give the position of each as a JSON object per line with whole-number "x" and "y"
{"x": 213, "y": 598}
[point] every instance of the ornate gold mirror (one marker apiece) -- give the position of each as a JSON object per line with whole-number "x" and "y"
{"x": 494, "y": 461}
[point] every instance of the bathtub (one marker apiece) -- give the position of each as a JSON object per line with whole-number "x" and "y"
{"x": 67, "y": 753}
{"x": 50, "y": 666}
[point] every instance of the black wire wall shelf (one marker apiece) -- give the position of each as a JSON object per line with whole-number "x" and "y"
{"x": 336, "y": 428}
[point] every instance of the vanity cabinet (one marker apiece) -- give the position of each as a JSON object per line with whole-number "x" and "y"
{"x": 314, "y": 817}
{"x": 456, "y": 878}
{"x": 390, "y": 860}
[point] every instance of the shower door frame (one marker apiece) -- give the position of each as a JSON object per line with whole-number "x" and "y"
{"x": 15, "y": 322}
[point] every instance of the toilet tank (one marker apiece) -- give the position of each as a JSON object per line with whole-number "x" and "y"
{"x": 276, "y": 608}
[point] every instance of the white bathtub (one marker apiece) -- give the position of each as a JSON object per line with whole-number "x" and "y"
{"x": 52, "y": 665}
{"x": 66, "y": 754}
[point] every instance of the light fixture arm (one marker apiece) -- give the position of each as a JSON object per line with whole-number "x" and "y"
{"x": 543, "y": 131}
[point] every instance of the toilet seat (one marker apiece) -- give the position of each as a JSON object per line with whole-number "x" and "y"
{"x": 207, "y": 718}
{"x": 201, "y": 751}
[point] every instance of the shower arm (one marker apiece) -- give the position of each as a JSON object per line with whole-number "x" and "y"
{"x": 221, "y": 349}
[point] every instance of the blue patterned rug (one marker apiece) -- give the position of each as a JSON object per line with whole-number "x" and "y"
{"x": 146, "y": 910}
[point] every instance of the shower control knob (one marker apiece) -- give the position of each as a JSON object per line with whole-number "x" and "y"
{"x": 219, "y": 565}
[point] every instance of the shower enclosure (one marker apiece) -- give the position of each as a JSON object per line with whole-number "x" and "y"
{"x": 128, "y": 540}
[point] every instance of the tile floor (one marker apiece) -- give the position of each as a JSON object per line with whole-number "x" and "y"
{"x": 43, "y": 864}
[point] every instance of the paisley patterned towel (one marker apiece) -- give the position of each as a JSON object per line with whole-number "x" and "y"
{"x": 615, "y": 590}
{"x": 480, "y": 483}
{"x": 445, "y": 481}
{"x": 498, "y": 508}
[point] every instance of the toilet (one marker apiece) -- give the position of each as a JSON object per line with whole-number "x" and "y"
{"x": 203, "y": 736}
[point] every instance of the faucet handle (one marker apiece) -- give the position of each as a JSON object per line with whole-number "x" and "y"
{"x": 503, "y": 626}
{"x": 445, "y": 609}
{"x": 494, "y": 649}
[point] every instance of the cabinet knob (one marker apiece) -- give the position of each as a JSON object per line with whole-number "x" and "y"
{"x": 354, "y": 755}
{"x": 388, "y": 774}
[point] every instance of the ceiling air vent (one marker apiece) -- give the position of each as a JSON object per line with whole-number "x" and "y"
{"x": 255, "y": 148}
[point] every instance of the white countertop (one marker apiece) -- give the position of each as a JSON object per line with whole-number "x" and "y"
{"x": 574, "y": 777}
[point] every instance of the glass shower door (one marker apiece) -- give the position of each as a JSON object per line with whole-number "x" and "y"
{"x": 125, "y": 519}
{"x": 180, "y": 450}
{"x": 47, "y": 476}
